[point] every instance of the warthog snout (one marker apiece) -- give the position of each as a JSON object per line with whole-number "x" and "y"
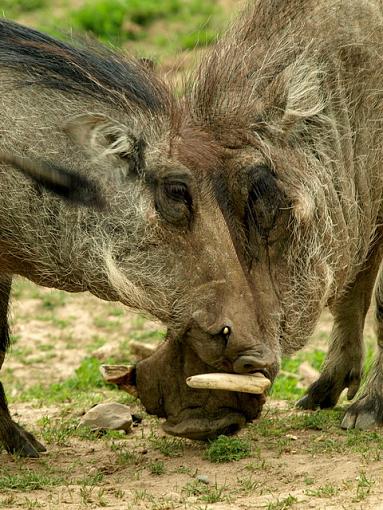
{"x": 231, "y": 342}
{"x": 259, "y": 360}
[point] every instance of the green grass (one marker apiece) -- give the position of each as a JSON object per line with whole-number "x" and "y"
{"x": 157, "y": 467}
{"x": 285, "y": 386}
{"x": 168, "y": 446}
{"x": 87, "y": 377}
{"x": 113, "y": 19}
{"x": 282, "y": 504}
{"x": 53, "y": 299}
{"x": 190, "y": 23}
{"x": 209, "y": 494}
{"x": 29, "y": 480}
{"x": 227, "y": 449}
{"x": 363, "y": 487}
{"x": 85, "y": 386}
{"x": 325, "y": 491}
{"x": 15, "y": 7}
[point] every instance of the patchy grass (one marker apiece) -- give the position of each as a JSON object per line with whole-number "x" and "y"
{"x": 157, "y": 467}
{"x": 363, "y": 487}
{"x": 209, "y": 494}
{"x": 168, "y": 446}
{"x": 228, "y": 449}
{"x": 286, "y": 386}
{"x": 87, "y": 378}
{"x": 282, "y": 504}
{"x": 325, "y": 491}
{"x": 28, "y": 480}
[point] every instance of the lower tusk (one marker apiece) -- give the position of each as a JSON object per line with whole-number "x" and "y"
{"x": 256, "y": 383}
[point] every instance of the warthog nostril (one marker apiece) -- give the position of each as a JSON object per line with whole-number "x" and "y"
{"x": 249, "y": 364}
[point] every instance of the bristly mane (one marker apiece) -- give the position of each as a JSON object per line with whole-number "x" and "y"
{"x": 88, "y": 68}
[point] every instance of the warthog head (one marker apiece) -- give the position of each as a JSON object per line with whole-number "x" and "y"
{"x": 162, "y": 243}
{"x": 272, "y": 109}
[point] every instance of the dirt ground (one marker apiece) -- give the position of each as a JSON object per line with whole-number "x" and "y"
{"x": 298, "y": 460}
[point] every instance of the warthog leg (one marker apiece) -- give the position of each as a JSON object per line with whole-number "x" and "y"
{"x": 14, "y": 438}
{"x": 367, "y": 411}
{"x": 343, "y": 365}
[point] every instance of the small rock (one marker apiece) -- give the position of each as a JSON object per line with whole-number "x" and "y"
{"x": 112, "y": 416}
{"x": 307, "y": 374}
{"x": 142, "y": 350}
{"x": 107, "y": 351}
{"x": 203, "y": 479}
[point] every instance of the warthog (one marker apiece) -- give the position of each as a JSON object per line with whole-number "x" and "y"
{"x": 161, "y": 244}
{"x": 291, "y": 100}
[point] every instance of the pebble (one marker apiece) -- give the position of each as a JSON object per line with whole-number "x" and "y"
{"x": 111, "y": 416}
{"x": 142, "y": 350}
{"x": 307, "y": 374}
{"x": 109, "y": 350}
{"x": 203, "y": 479}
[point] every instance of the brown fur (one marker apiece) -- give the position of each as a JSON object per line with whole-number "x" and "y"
{"x": 161, "y": 245}
{"x": 295, "y": 88}
{"x": 278, "y": 139}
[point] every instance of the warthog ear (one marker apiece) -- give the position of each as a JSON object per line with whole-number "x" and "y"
{"x": 102, "y": 136}
{"x": 294, "y": 96}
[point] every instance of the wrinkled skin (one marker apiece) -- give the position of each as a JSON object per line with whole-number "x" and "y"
{"x": 248, "y": 206}
{"x": 161, "y": 244}
{"x": 195, "y": 414}
{"x": 293, "y": 97}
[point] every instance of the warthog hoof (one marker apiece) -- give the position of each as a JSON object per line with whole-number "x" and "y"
{"x": 366, "y": 413}
{"x": 23, "y": 443}
{"x": 325, "y": 392}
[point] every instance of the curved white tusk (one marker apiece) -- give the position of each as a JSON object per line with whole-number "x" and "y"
{"x": 255, "y": 383}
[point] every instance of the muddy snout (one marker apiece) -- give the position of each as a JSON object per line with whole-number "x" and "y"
{"x": 221, "y": 404}
{"x": 261, "y": 360}
{"x": 231, "y": 346}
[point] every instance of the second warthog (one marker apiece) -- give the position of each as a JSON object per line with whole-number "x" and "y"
{"x": 161, "y": 244}
{"x": 290, "y": 105}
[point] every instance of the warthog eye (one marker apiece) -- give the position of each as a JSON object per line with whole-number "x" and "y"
{"x": 265, "y": 200}
{"x": 179, "y": 192}
{"x": 174, "y": 201}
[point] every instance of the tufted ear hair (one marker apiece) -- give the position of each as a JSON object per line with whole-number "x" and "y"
{"x": 294, "y": 96}
{"x": 102, "y": 137}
